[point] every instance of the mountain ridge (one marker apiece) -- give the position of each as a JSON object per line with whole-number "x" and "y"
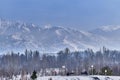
{"x": 18, "y": 36}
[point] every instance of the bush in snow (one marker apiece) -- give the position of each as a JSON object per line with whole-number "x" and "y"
{"x": 34, "y": 76}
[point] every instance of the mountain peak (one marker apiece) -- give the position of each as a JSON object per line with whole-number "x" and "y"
{"x": 110, "y": 28}
{"x": 47, "y": 26}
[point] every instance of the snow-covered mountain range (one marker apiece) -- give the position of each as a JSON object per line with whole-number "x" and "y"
{"x": 18, "y": 36}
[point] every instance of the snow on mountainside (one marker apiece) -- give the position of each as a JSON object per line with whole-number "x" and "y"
{"x": 18, "y": 36}
{"x": 110, "y": 28}
{"x": 111, "y": 33}
{"x": 108, "y": 31}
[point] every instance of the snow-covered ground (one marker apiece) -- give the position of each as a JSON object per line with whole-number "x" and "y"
{"x": 79, "y": 78}
{"x": 98, "y": 77}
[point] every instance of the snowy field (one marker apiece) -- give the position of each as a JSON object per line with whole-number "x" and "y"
{"x": 80, "y": 78}
{"x": 96, "y": 77}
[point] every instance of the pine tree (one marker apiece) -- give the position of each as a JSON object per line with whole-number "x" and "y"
{"x": 34, "y": 76}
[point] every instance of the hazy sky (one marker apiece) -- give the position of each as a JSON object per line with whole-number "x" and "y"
{"x": 79, "y": 14}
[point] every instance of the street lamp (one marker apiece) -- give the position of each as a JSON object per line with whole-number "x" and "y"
{"x": 92, "y": 68}
{"x": 64, "y": 68}
{"x": 105, "y": 72}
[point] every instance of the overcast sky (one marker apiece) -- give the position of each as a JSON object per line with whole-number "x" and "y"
{"x": 79, "y": 14}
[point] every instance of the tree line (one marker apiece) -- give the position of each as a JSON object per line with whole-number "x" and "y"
{"x": 17, "y": 63}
